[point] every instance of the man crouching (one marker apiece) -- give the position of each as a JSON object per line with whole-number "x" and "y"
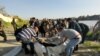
{"x": 27, "y": 37}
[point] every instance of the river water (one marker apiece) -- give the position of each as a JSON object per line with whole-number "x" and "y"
{"x": 90, "y": 23}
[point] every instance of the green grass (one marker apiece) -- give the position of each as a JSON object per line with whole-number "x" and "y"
{"x": 19, "y": 23}
{"x": 93, "y": 45}
{"x": 90, "y": 35}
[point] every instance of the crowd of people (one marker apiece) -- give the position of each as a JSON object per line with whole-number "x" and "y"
{"x": 46, "y": 32}
{"x": 66, "y": 29}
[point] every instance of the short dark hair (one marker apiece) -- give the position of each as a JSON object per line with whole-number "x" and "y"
{"x": 24, "y": 26}
{"x": 69, "y": 19}
{"x": 59, "y": 28}
{"x": 33, "y": 18}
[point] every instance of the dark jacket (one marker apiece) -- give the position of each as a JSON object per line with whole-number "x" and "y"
{"x": 74, "y": 25}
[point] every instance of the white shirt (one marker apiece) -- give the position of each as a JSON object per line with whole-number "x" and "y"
{"x": 69, "y": 33}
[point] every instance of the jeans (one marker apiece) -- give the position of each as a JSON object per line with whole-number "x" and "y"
{"x": 39, "y": 49}
{"x": 70, "y": 46}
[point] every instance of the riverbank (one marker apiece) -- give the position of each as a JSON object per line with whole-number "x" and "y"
{"x": 5, "y": 47}
{"x": 89, "y": 48}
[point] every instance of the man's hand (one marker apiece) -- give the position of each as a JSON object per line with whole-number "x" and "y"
{"x": 33, "y": 39}
{"x": 43, "y": 39}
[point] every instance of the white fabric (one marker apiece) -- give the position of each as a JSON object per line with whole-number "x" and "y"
{"x": 69, "y": 33}
{"x": 40, "y": 49}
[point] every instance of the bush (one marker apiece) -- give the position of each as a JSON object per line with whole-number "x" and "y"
{"x": 21, "y": 23}
{"x": 7, "y": 24}
{"x": 90, "y": 36}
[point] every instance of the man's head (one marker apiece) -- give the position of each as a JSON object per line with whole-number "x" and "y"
{"x": 35, "y": 28}
{"x": 24, "y": 26}
{"x": 32, "y": 19}
{"x": 59, "y": 28}
{"x": 69, "y": 19}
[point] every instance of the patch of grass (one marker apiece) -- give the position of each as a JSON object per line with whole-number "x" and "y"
{"x": 93, "y": 45}
{"x": 90, "y": 34}
{"x": 21, "y": 22}
{"x": 7, "y": 24}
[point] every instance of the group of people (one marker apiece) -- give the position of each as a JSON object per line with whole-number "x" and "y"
{"x": 46, "y": 31}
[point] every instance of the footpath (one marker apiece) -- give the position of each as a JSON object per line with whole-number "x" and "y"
{"x": 8, "y": 46}
{"x": 89, "y": 48}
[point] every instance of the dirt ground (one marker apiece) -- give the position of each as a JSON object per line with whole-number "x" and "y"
{"x": 83, "y": 51}
{"x": 10, "y": 44}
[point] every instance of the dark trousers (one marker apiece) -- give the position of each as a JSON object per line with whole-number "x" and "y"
{"x": 2, "y": 33}
{"x": 43, "y": 34}
{"x": 83, "y": 38}
{"x": 14, "y": 26}
{"x": 26, "y": 49}
{"x": 75, "y": 48}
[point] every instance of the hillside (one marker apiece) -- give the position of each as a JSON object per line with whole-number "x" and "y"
{"x": 5, "y": 18}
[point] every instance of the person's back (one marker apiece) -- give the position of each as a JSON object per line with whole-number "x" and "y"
{"x": 74, "y": 25}
{"x": 69, "y": 33}
{"x": 85, "y": 30}
{"x": 73, "y": 36}
{"x": 27, "y": 34}
{"x": 27, "y": 37}
{"x": 84, "y": 27}
{"x": 19, "y": 30}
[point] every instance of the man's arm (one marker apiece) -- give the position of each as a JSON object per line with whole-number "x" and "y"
{"x": 62, "y": 40}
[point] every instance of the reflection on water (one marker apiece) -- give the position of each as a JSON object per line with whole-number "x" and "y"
{"x": 90, "y": 23}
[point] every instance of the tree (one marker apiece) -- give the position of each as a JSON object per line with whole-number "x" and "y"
{"x": 2, "y": 11}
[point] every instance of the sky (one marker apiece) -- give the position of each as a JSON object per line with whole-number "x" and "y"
{"x": 51, "y": 8}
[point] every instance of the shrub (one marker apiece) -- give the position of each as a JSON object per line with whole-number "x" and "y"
{"x": 21, "y": 22}
{"x": 89, "y": 36}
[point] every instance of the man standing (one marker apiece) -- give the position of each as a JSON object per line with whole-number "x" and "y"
{"x": 74, "y": 25}
{"x": 2, "y": 33}
{"x": 85, "y": 30}
{"x": 14, "y": 24}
